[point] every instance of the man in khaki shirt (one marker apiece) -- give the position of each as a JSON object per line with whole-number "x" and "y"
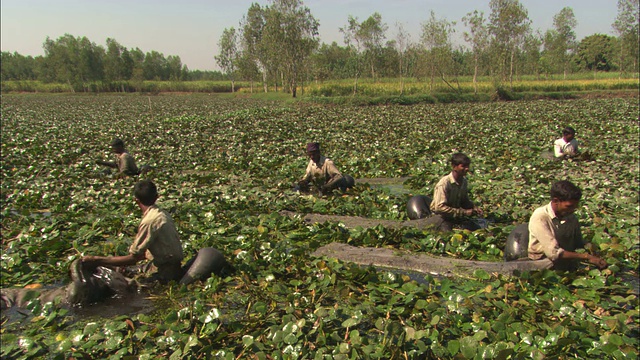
{"x": 157, "y": 240}
{"x": 125, "y": 163}
{"x": 554, "y": 231}
{"x": 451, "y": 205}
{"x": 321, "y": 171}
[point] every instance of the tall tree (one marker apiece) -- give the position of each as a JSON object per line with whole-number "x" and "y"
{"x": 372, "y": 34}
{"x": 290, "y": 35}
{"x": 354, "y": 43}
{"x": 227, "y": 59}
{"x": 436, "y": 38}
{"x": 403, "y": 43}
{"x": 626, "y": 27}
{"x": 560, "y": 42}
{"x": 118, "y": 64}
{"x": 508, "y": 23}
{"x": 253, "y": 50}
{"x": 478, "y": 37}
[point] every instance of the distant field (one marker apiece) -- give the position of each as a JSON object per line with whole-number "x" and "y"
{"x": 366, "y": 87}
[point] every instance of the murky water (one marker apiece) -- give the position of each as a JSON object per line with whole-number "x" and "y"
{"x": 129, "y": 304}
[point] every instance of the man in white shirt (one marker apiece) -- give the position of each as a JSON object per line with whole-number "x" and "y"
{"x": 567, "y": 145}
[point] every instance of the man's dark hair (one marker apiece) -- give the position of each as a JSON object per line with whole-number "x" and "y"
{"x": 568, "y": 131}
{"x": 146, "y": 192}
{"x": 460, "y": 158}
{"x": 565, "y": 190}
{"x": 117, "y": 142}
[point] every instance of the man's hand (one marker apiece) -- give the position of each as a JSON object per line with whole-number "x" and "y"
{"x": 474, "y": 211}
{"x": 599, "y": 262}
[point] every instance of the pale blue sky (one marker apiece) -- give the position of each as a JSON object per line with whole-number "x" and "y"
{"x": 191, "y": 28}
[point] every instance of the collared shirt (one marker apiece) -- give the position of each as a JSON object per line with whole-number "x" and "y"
{"x": 323, "y": 173}
{"x": 451, "y": 198}
{"x": 550, "y": 236}
{"x": 157, "y": 233}
{"x": 562, "y": 148}
{"x": 126, "y": 164}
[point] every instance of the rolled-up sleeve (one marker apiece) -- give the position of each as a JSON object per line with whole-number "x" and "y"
{"x": 143, "y": 239}
{"x": 332, "y": 173}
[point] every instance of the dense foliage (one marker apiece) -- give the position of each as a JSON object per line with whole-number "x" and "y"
{"x": 225, "y": 168}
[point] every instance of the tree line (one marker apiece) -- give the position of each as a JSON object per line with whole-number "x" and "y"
{"x": 278, "y": 46}
{"x": 77, "y": 61}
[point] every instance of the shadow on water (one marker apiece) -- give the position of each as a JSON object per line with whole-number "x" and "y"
{"x": 395, "y": 186}
{"x": 128, "y": 304}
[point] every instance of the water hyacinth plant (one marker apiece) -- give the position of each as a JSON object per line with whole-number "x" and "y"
{"x": 225, "y": 168}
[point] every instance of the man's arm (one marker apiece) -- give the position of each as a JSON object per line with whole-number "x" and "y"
{"x": 599, "y": 262}
{"x": 110, "y": 164}
{"x": 93, "y": 261}
{"x": 334, "y": 176}
{"x": 439, "y": 204}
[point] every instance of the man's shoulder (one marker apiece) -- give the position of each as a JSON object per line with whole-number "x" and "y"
{"x": 446, "y": 180}
{"x": 540, "y": 213}
{"x": 155, "y": 214}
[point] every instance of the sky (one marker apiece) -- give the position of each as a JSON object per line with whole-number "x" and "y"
{"x": 191, "y": 29}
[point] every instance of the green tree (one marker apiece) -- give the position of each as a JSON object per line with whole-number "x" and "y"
{"x": 531, "y": 55}
{"x": 366, "y": 41}
{"x": 508, "y": 23}
{"x": 227, "y": 59}
{"x": 173, "y": 70}
{"x": 118, "y": 64}
{"x": 290, "y": 35}
{"x": 595, "y": 52}
{"x": 154, "y": 66}
{"x": 402, "y": 44}
{"x": 354, "y": 43}
{"x": 331, "y": 62}
{"x": 17, "y": 67}
{"x": 478, "y": 37}
{"x": 626, "y": 27}
{"x": 560, "y": 42}
{"x": 75, "y": 61}
{"x": 253, "y": 48}
{"x": 436, "y": 39}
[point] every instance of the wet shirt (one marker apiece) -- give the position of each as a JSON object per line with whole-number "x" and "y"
{"x": 323, "y": 173}
{"x": 126, "y": 164}
{"x": 450, "y": 198}
{"x": 562, "y": 148}
{"x": 549, "y": 235}
{"x": 157, "y": 233}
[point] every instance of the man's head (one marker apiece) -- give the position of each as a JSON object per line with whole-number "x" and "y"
{"x": 313, "y": 151}
{"x": 565, "y": 198}
{"x": 145, "y": 192}
{"x": 117, "y": 145}
{"x": 568, "y": 133}
{"x": 460, "y": 164}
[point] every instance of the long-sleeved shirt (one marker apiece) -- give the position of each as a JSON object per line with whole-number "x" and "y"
{"x": 324, "y": 173}
{"x": 157, "y": 233}
{"x": 550, "y": 236}
{"x": 562, "y": 148}
{"x": 451, "y": 198}
{"x": 126, "y": 164}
